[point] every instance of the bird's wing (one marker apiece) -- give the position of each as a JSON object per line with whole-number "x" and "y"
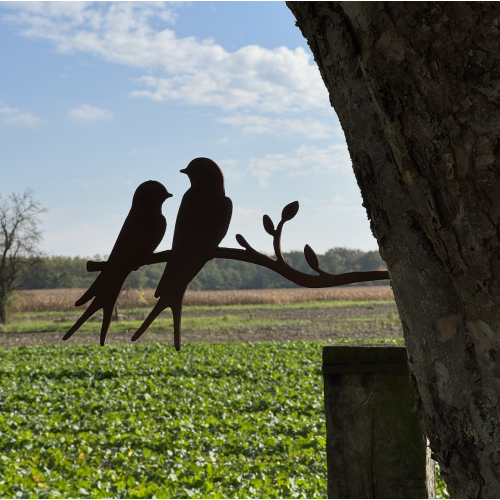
{"x": 138, "y": 238}
{"x": 92, "y": 291}
{"x": 224, "y": 211}
{"x": 189, "y": 221}
{"x": 202, "y": 222}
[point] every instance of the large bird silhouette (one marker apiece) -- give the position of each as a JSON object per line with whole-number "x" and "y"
{"x": 202, "y": 222}
{"x": 141, "y": 233}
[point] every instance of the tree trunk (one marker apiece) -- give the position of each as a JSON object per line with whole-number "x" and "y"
{"x": 3, "y": 310}
{"x": 416, "y": 87}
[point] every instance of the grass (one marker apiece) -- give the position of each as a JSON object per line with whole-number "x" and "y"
{"x": 30, "y": 323}
{"x": 196, "y": 323}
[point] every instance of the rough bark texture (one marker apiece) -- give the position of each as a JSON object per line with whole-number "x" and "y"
{"x": 416, "y": 88}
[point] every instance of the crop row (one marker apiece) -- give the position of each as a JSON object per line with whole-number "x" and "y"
{"x": 215, "y": 420}
{"x": 64, "y": 299}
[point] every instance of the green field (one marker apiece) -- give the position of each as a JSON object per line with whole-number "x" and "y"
{"x": 133, "y": 421}
{"x": 224, "y": 420}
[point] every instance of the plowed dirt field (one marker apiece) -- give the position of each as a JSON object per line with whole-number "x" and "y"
{"x": 245, "y": 324}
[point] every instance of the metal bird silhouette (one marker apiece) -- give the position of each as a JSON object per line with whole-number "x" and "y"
{"x": 202, "y": 222}
{"x": 141, "y": 233}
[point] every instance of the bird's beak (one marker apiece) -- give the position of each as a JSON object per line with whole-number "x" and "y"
{"x": 169, "y": 195}
{"x": 183, "y": 171}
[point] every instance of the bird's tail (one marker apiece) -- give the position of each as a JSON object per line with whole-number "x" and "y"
{"x": 105, "y": 290}
{"x": 81, "y": 320}
{"x": 177, "y": 314}
{"x": 91, "y": 292}
{"x": 107, "y": 313}
{"x": 157, "y": 309}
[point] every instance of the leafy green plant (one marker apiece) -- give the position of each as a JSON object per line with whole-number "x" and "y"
{"x": 441, "y": 488}
{"x": 215, "y": 420}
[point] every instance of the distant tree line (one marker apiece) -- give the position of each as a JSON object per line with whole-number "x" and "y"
{"x": 218, "y": 274}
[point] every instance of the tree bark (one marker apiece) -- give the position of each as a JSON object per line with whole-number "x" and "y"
{"x": 416, "y": 88}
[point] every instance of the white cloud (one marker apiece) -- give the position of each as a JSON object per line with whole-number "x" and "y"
{"x": 303, "y": 161}
{"x": 343, "y": 209}
{"x": 8, "y": 111}
{"x": 342, "y": 205}
{"x": 339, "y": 200}
{"x": 189, "y": 70}
{"x": 255, "y": 124}
{"x": 14, "y": 116}
{"x": 253, "y": 77}
{"x": 223, "y": 140}
{"x": 88, "y": 113}
{"x": 232, "y": 170}
{"x": 244, "y": 215}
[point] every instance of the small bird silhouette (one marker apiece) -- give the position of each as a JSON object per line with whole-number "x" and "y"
{"x": 141, "y": 233}
{"x": 202, "y": 222}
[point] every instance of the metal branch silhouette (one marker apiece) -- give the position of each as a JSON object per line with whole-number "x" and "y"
{"x": 280, "y": 266}
{"x": 202, "y": 223}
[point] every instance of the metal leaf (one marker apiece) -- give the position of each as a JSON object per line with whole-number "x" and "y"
{"x": 242, "y": 241}
{"x": 268, "y": 225}
{"x": 311, "y": 258}
{"x": 290, "y": 211}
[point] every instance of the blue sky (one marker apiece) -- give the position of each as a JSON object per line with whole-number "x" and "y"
{"x": 96, "y": 98}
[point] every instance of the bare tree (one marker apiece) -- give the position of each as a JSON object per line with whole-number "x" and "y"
{"x": 19, "y": 239}
{"x": 416, "y": 86}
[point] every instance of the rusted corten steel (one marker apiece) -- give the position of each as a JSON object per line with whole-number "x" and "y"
{"x": 202, "y": 222}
